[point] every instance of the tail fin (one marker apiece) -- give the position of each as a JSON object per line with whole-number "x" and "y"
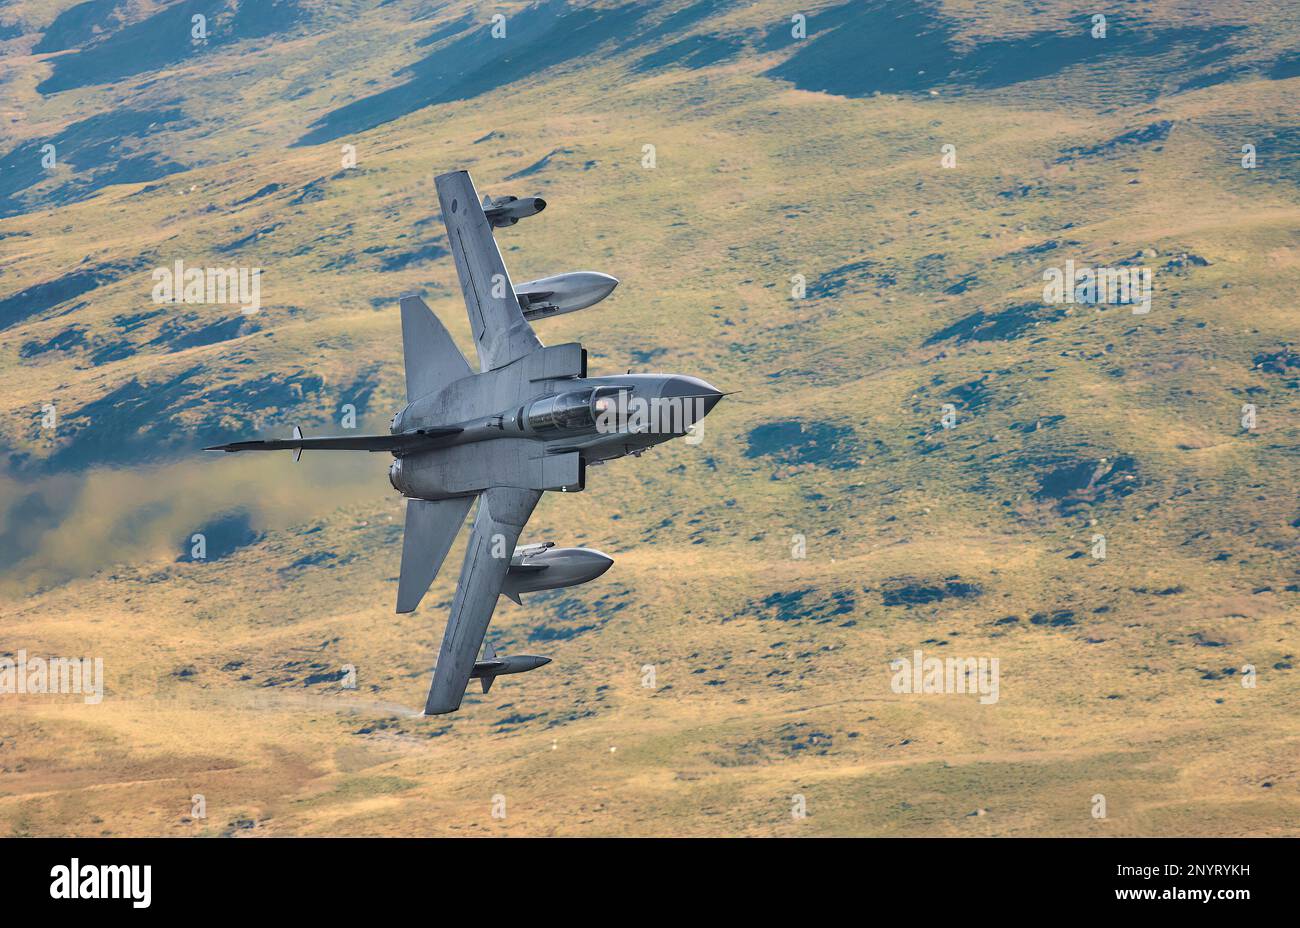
{"x": 486, "y": 682}
{"x": 432, "y": 358}
{"x": 431, "y": 527}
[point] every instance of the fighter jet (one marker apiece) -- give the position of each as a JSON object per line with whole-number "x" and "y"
{"x": 529, "y": 421}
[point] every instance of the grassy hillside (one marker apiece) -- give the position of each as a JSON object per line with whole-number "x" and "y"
{"x": 773, "y": 157}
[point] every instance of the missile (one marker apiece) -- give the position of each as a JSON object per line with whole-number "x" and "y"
{"x": 546, "y": 567}
{"x": 563, "y": 293}
{"x": 506, "y": 211}
{"x": 493, "y": 665}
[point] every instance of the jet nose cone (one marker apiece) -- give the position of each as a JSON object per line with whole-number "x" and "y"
{"x": 710, "y": 398}
{"x": 701, "y": 395}
{"x": 543, "y": 661}
{"x": 600, "y": 561}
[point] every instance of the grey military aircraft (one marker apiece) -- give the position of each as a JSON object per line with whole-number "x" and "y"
{"x": 529, "y": 421}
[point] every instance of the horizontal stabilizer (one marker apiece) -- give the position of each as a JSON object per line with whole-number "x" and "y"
{"x": 431, "y": 527}
{"x": 432, "y": 358}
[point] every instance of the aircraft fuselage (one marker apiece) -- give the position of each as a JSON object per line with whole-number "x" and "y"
{"x": 593, "y": 419}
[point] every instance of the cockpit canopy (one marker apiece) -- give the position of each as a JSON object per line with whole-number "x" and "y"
{"x": 577, "y": 411}
{"x": 564, "y": 412}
